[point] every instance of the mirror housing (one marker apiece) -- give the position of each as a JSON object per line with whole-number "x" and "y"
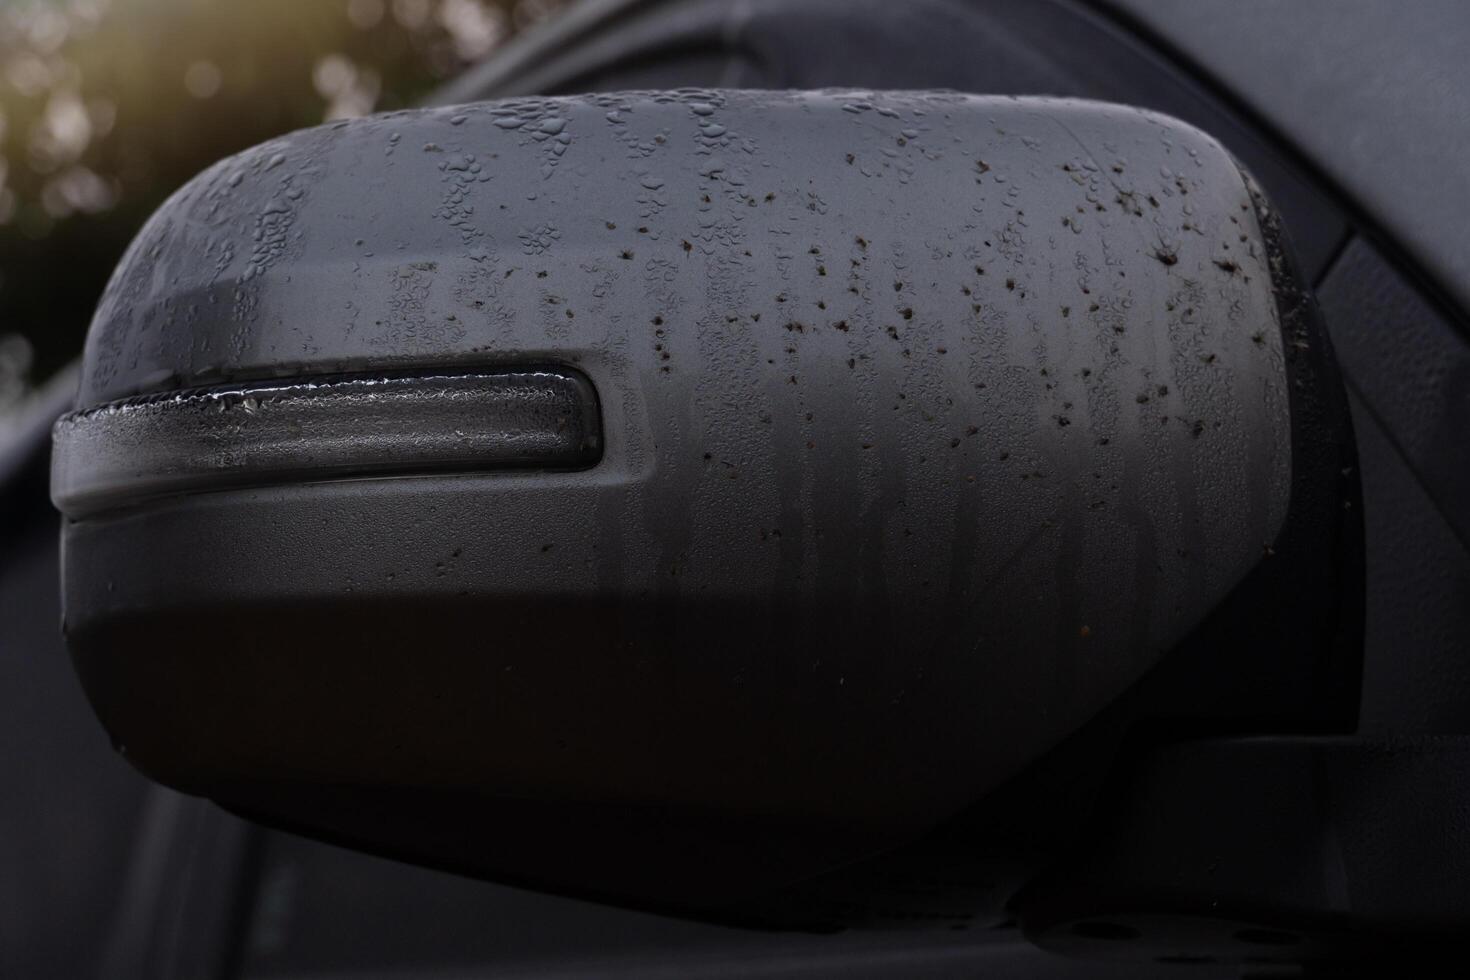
{"x": 675, "y": 498}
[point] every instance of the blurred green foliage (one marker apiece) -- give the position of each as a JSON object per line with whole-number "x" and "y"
{"x": 106, "y": 106}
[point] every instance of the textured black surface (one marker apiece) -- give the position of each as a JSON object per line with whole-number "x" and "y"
{"x": 1410, "y": 367}
{"x": 1410, "y": 375}
{"x": 1416, "y": 674}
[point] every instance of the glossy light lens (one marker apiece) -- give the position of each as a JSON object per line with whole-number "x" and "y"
{"x": 244, "y": 435}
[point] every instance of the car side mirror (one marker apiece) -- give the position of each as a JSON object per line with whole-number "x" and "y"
{"x": 683, "y": 498}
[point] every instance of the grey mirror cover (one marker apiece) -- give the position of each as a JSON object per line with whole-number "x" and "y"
{"x": 930, "y": 423}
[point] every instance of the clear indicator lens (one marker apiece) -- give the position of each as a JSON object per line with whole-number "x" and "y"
{"x": 121, "y": 453}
